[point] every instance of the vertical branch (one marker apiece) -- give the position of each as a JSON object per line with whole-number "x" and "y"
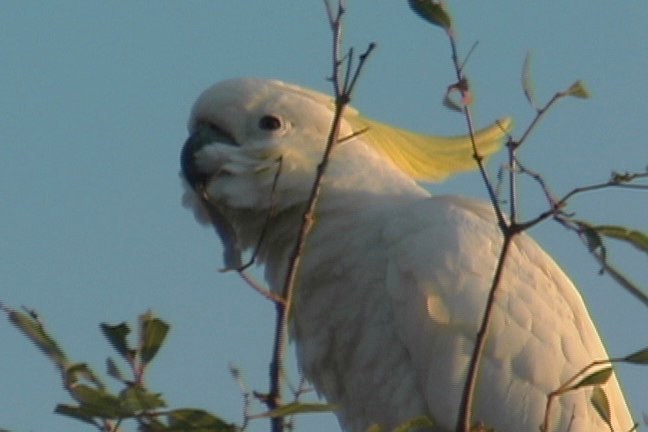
{"x": 343, "y": 85}
{"x": 434, "y": 12}
{"x": 509, "y": 229}
{"x": 463, "y": 87}
{"x": 513, "y": 167}
{"x": 464, "y": 419}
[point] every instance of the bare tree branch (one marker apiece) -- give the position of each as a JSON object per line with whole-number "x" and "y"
{"x": 343, "y": 87}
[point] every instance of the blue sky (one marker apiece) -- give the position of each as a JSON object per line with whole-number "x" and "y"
{"x": 95, "y": 97}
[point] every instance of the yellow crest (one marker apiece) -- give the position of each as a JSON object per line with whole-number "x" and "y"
{"x": 429, "y": 157}
{"x": 424, "y": 157}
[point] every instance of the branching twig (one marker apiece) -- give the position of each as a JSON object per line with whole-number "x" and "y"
{"x": 245, "y": 393}
{"x": 260, "y": 288}
{"x": 570, "y": 384}
{"x": 434, "y": 13}
{"x": 343, "y": 87}
{"x": 464, "y": 419}
{"x": 556, "y": 206}
{"x": 462, "y": 86}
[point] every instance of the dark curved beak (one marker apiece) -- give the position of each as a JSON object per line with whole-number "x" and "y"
{"x": 203, "y": 135}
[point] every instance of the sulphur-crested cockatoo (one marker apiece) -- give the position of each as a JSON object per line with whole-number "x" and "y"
{"x": 393, "y": 281}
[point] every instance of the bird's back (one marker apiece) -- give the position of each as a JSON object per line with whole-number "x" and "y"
{"x": 385, "y": 320}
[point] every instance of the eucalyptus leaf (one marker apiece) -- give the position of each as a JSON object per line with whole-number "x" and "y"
{"x": 636, "y": 238}
{"x": 34, "y": 330}
{"x": 153, "y": 332}
{"x": 113, "y": 370}
{"x": 622, "y": 280}
{"x": 116, "y": 335}
{"x": 196, "y": 421}
{"x": 451, "y": 104}
{"x": 578, "y": 90}
{"x": 74, "y": 412}
{"x": 433, "y": 12}
{"x": 594, "y": 379}
{"x": 527, "y": 82}
{"x": 79, "y": 371}
{"x": 601, "y": 404}
{"x": 414, "y": 424}
{"x": 136, "y": 399}
{"x": 99, "y": 403}
{"x": 298, "y": 408}
{"x": 639, "y": 357}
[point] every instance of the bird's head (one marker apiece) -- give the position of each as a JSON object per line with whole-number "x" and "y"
{"x": 245, "y": 133}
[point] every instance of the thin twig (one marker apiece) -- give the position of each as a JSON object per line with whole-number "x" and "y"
{"x": 540, "y": 112}
{"x": 245, "y": 393}
{"x": 260, "y": 288}
{"x": 556, "y": 206}
{"x": 567, "y": 386}
{"x": 343, "y": 89}
{"x": 512, "y": 147}
{"x": 464, "y": 419}
{"x": 266, "y": 223}
{"x": 509, "y": 228}
{"x": 462, "y": 85}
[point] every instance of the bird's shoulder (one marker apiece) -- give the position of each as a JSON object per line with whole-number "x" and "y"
{"x": 442, "y": 254}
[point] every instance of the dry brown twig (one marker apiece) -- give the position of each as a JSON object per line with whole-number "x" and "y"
{"x": 510, "y": 227}
{"x": 344, "y": 78}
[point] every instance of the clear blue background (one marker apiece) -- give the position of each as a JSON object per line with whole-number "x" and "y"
{"x": 95, "y": 96}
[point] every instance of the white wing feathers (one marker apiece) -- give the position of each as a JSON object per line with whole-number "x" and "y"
{"x": 540, "y": 335}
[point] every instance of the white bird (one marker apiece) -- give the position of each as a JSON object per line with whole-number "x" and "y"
{"x": 393, "y": 281}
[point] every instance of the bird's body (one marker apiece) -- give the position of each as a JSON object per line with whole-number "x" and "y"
{"x": 393, "y": 282}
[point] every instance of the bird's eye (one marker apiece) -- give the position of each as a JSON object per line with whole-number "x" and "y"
{"x": 269, "y": 123}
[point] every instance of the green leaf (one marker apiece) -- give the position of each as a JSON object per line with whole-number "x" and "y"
{"x": 374, "y": 428}
{"x": 153, "y": 332}
{"x": 196, "y": 421}
{"x": 154, "y": 425}
{"x": 78, "y": 371}
{"x": 298, "y": 408}
{"x": 74, "y": 412}
{"x": 414, "y": 424}
{"x": 626, "y": 283}
{"x": 636, "y": 238}
{"x": 113, "y": 370}
{"x": 601, "y": 404}
{"x": 116, "y": 335}
{"x": 578, "y": 90}
{"x": 449, "y": 103}
{"x": 98, "y": 403}
{"x": 592, "y": 238}
{"x": 595, "y": 378}
{"x": 432, "y": 12}
{"x": 136, "y": 399}
{"x": 595, "y": 244}
{"x": 32, "y": 328}
{"x": 639, "y": 357}
{"x": 527, "y": 82}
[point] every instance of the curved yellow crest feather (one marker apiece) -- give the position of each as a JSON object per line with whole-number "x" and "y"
{"x": 424, "y": 157}
{"x": 429, "y": 157}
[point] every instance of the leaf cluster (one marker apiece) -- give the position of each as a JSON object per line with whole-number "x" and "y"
{"x": 96, "y": 404}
